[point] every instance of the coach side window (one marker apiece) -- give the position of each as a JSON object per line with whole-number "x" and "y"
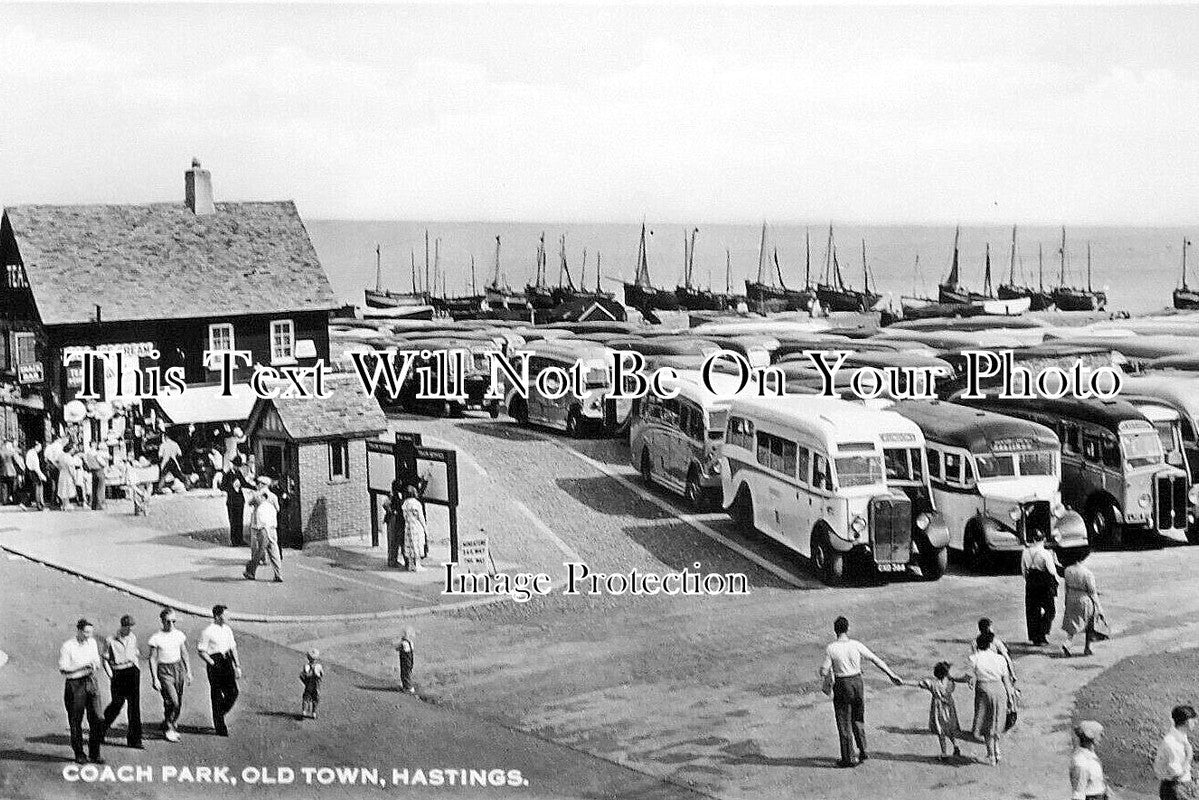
{"x": 934, "y": 464}
{"x": 953, "y": 469}
{"x": 801, "y": 469}
{"x": 821, "y": 479}
{"x": 741, "y": 433}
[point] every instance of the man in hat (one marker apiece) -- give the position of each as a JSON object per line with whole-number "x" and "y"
{"x": 1086, "y": 773}
{"x": 264, "y": 522}
{"x": 234, "y": 484}
{"x": 121, "y": 661}
{"x": 79, "y": 661}
{"x": 95, "y": 461}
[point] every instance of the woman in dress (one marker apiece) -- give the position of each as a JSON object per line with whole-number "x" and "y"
{"x": 989, "y": 674}
{"x": 415, "y": 529}
{"x": 1082, "y": 604}
{"x": 68, "y": 465}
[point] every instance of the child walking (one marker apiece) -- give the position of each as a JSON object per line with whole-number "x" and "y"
{"x": 943, "y": 711}
{"x": 311, "y": 676}
{"x": 407, "y": 656}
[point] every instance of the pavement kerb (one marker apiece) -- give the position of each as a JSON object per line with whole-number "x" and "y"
{"x": 199, "y": 611}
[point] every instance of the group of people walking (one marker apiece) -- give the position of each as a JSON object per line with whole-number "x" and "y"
{"x": 63, "y": 475}
{"x": 1083, "y": 613}
{"x": 82, "y": 660}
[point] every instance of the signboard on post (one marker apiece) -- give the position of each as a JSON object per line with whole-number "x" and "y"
{"x": 475, "y": 555}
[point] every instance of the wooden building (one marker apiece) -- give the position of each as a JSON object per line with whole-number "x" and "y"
{"x": 315, "y": 449}
{"x": 175, "y": 279}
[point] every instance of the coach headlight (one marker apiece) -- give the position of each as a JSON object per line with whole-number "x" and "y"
{"x": 1144, "y": 500}
{"x": 923, "y": 520}
{"x": 1194, "y": 495}
{"x": 1014, "y": 514}
{"x": 858, "y": 525}
{"x": 1058, "y": 510}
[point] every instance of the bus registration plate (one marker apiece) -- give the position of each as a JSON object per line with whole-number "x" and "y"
{"x": 892, "y": 567}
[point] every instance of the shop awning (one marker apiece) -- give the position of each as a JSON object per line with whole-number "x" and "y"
{"x": 200, "y": 404}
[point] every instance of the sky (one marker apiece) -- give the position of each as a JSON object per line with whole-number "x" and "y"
{"x": 895, "y": 114}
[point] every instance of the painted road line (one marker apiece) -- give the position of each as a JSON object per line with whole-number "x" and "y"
{"x": 546, "y": 531}
{"x": 694, "y": 520}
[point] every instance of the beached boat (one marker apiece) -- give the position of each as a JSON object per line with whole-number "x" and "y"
{"x": 835, "y": 294}
{"x": 385, "y": 298}
{"x": 1186, "y": 298}
{"x": 769, "y": 292}
{"x": 498, "y": 294}
{"x": 641, "y": 293}
{"x": 1038, "y": 299}
{"x": 538, "y": 293}
{"x": 1071, "y": 298}
{"x": 691, "y": 297}
{"x": 951, "y": 290}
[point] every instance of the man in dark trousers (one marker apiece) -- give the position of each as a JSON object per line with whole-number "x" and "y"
{"x": 79, "y": 661}
{"x": 219, "y": 651}
{"x": 1040, "y": 569}
{"x": 234, "y": 484}
{"x": 393, "y": 519}
{"x": 843, "y": 663}
{"x": 121, "y": 661}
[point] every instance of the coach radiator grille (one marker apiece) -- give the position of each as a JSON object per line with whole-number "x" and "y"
{"x": 891, "y": 529}
{"x": 609, "y": 414}
{"x": 1171, "y": 491}
{"x": 1035, "y": 516}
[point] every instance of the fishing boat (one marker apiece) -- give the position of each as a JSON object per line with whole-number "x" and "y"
{"x": 385, "y": 298}
{"x": 498, "y": 294}
{"x": 690, "y": 297}
{"x": 951, "y": 290}
{"x": 834, "y": 294}
{"x": 1186, "y": 298}
{"x": 539, "y": 293}
{"x": 769, "y": 292}
{"x": 1038, "y": 299}
{"x": 1070, "y": 298}
{"x": 641, "y": 293}
{"x": 567, "y": 292}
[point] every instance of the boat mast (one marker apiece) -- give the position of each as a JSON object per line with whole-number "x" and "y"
{"x": 378, "y": 269}
{"x": 426, "y": 284}
{"x": 987, "y": 274}
{"x": 1062, "y": 253}
{"x": 807, "y": 259}
{"x": 762, "y": 252}
{"x": 642, "y": 278}
{"x": 598, "y": 256}
{"x": 779, "y": 270}
{"x": 1088, "y": 266}
{"x": 474, "y": 287}
{"x": 412, "y": 258}
{"x": 728, "y": 272}
{"x": 865, "y": 272}
{"x": 570, "y": 284}
{"x": 828, "y": 256}
{"x": 1185, "y": 244}
{"x": 1011, "y": 277}
{"x": 691, "y": 258}
{"x": 437, "y": 263}
{"x": 1040, "y": 267}
{"x": 953, "y": 267}
{"x": 495, "y": 280}
{"x": 583, "y": 271}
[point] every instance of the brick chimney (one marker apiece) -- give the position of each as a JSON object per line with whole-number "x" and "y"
{"x": 197, "y": 189}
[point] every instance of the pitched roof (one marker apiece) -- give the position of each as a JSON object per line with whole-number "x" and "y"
{"x": 347, "y": 412}
{"x": 161, "y": 261}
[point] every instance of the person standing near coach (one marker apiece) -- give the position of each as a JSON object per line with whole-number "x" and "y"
{"x": 843, "y": 662}
{"x": 1040, "y": 570}
{"x": 170, "y": 671}
{"x": 219, "y": 651}
{"x": 264, "y": 537}
{"x": 78, "y": 661}
{"x": 121, "y": 662}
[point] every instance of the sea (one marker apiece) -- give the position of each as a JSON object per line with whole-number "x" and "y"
{"x": 1138, "y": 267}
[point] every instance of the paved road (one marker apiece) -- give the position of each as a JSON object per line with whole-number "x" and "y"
{"x": 364, "y": 722}
{"x": 721, "y": 693}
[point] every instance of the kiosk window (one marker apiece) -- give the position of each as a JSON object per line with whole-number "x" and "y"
{"x": 339, "y": 460}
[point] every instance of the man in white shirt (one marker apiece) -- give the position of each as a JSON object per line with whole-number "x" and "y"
{"x": 219, "y": 651}
{"x": 121, "y": 662}
{"x": 78, "y": 661}
{"x": 34, "y": 477}
{"x": 264, "y": 522}
{"x": 1172, "y": 763}
{"x": 170, "y": 671}
{"x": 1040, "y": 570}
{"x": 843, "y": 661}
{"x": 1086, "y": 772}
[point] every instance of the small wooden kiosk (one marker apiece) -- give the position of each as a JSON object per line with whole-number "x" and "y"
{"x": 315, "y": 449}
